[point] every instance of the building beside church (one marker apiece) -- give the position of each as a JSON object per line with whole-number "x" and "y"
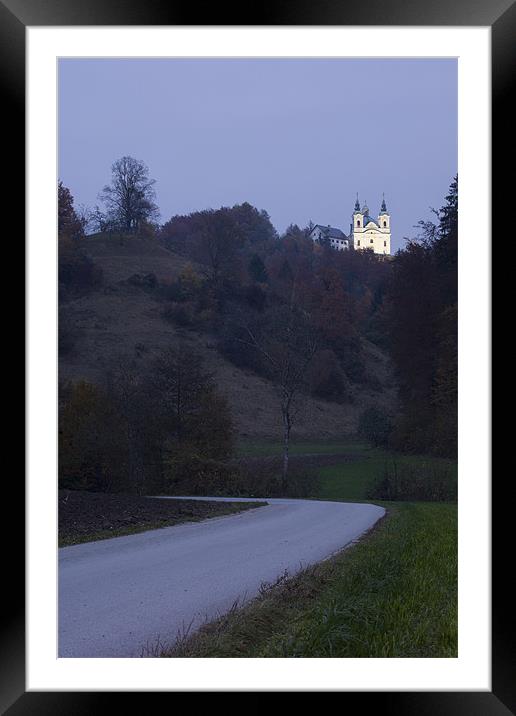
{"x": 365, "y": 232}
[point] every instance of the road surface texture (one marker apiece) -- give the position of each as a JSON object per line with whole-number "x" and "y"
{"x": 123, "y": 596}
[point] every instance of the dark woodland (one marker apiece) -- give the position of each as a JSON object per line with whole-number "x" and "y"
{"x": 277, "y": 306}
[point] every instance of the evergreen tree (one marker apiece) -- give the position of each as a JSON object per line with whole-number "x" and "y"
{"x": 257, "y": 270}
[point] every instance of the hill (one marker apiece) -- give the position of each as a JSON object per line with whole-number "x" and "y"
{"x": 122, "y": 318}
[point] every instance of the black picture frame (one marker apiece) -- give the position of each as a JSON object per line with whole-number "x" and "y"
{"x": 15, "y": 16}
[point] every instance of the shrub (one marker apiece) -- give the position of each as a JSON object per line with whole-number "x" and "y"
{"x": 67, "y": 333}
{"x": 147, "y": 281}
{"x": 326, "y": 378}
{"x": 93, "y": 444}
{"x": 427, "y": 482}
{"x": 77, "y": 272}
{"x": 375, "y": 426}
{"x": 196, "y": 475}
{"x": 234, "y": 345}
{"x": 178, "y": 314}
{"x": 262, "y": 478}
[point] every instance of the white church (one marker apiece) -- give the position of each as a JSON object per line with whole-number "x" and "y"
{"x": 365, "y": 232}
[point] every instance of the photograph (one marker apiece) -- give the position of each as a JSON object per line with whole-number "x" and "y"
{"x": 258, "y": 256}
{"x": 257, "y": 357}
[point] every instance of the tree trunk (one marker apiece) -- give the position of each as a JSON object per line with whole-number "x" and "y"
{"x": 286, "y": 441}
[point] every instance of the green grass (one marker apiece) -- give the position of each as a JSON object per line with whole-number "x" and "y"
{"x": 393, "y": 594}
{"x": 352, "y": 480}
{"x": 346, "y": 480}
{"x": 263, "y": 448}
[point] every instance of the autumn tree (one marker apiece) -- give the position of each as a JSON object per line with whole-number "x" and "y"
{"x": 194, "y": 416}
{"x": 257, "y": 270}
{"x": 422, "y": 334}
{"x": 92, "y": 440}
{"x": 217, "y": 243}
{"x": 135, "y": 429}
{"x": 70, "y": 225}
{"x": 77, "y": 272}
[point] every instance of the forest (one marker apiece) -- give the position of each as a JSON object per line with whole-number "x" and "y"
{"x": 296, "y": 314}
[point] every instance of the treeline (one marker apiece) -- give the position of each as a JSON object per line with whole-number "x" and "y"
{"x": 421, "y": 333}
{"x": 144, "y": 433}
{"x": 250, "y": 286}
{"x": 278, "y": 305}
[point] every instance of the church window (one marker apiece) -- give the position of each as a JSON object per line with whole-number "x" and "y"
{"x": 385, "y": 243}
{"x": 358, "y": 242}
{"x": 358, "y": 222}
{"x": 385, "y": 223}
{"x": 372, "y": 241}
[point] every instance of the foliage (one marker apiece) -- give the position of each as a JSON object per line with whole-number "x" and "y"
{"x": 264, "y": 479}
{"x": 375, "y": 426}
{"x": 421, "y": 325}
{"x": 430, "y": 483}
{"x": 297, "y": 313}
{"x": 257, "y": 270}
{"x": 128, "y": 434}
{"x": 193, "y": 474}
{"x": 69, "y": 223}
{"x": 327, "y": 379}
{"x": 92, "y": 441}
{"x": 77, "y": 273}
{"x": 252, "y": 227}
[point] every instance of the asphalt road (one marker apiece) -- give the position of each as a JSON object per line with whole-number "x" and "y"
{"x": 123, "y": 596}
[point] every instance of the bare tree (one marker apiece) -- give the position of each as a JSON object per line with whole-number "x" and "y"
{"x": 129, "y": 199}
{"x": 287, "y": 344}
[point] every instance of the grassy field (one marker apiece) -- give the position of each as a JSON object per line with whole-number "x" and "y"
{"x": 346, "y": 480}
{"x": 394, "y": 594}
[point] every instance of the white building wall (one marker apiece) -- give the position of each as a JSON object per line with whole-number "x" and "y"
{"x": 372, "y": 236}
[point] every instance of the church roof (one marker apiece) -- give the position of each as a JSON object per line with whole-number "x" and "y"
{"x": 367, "y": 219}
{"x": 331, "y": 232}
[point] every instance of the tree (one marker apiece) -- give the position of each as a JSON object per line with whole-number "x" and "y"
{"x": 217, "y": 244}
{"x": 286, "y": 342}
{"x": 92, "y": 440}
{"x": 257, "y": 270}
{"x": 375, "y": 426}
{"x": 255, "y": 225}
{"x": 194, "y": 415}
{"x": 129, "y": 199}
{"x": 421, "y": 320}
{"x": 69, "y": 224}
{"x": 326, "y": 378}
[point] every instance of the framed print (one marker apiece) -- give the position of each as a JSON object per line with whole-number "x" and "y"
{"x": 413, "y": 87}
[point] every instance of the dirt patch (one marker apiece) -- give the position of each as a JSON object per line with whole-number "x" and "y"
{"x": 85, "y": 516}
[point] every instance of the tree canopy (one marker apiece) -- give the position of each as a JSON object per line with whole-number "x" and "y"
{"x": 130, "y": 198}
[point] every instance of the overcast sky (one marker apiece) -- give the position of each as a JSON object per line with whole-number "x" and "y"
{"x": 297, "y": 138}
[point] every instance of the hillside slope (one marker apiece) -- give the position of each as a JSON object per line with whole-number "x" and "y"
{"x": 121, "y": 321}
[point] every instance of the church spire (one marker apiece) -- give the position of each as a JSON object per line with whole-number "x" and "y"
{"x": 357, "y": 204}
{"x": 383, "y": 209}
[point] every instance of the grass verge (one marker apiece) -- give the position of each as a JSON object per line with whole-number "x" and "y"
{"x": 393, "y": 594}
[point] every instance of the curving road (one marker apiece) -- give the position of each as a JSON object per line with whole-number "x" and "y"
{"x": 119, "y": 596}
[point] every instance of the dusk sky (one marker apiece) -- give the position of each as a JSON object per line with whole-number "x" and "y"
{"x": 296, "y": 137}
